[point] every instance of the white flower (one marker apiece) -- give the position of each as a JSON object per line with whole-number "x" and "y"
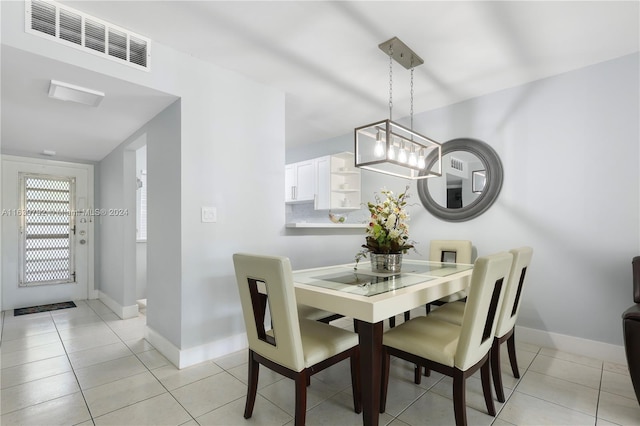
{"x": 387, "y": 231}
{"x": 391, "y": 221}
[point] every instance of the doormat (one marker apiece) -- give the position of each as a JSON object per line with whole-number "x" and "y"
{"x": 43, "y": 308}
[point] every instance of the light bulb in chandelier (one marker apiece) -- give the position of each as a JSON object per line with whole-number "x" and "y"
{"x": 422, "y": 161}
{"x": 379, "y": 149}
{"x": 413, "y": 158}
{"x": 402, "y": 155}
{"x": 392, "y": 152}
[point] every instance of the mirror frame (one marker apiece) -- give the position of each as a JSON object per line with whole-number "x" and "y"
{"x": 492, "y": 188}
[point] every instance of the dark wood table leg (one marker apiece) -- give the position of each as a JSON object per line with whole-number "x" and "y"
{"x": 370, "y": 337}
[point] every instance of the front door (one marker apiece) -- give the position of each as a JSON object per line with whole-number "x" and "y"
{"x": 47, "y": 231}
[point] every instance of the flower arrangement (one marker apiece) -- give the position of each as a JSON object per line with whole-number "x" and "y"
{"x": 387, "y": 232}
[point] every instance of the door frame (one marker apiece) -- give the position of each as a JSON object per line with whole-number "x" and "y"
{"x": 92, "y": 292}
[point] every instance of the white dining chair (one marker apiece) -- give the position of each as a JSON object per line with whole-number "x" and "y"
{"x": 295, "y": 347}
{"x": 505, "y": 330}
{"x": 450, "y": 251}
{"x": 316, "y": 314}
{"x": 455, "y": 350}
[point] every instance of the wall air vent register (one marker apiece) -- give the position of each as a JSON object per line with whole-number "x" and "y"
{"x": 457, "y": 164}
{"x": 74, "y": 28}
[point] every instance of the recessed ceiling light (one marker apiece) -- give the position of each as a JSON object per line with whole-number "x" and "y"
{"x": 73, "y": 93}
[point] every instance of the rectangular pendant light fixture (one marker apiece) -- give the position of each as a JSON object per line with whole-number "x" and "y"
{"x": 390, "y": 148}
{"x": 70, "y": 92}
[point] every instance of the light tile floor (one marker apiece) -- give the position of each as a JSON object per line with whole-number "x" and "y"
{"x": 85, "y": 366}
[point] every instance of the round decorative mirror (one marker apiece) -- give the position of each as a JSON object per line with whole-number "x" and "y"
{"x": 471, "y": 180}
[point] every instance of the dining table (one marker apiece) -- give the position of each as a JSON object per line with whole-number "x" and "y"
{"x": 370, "y": 297}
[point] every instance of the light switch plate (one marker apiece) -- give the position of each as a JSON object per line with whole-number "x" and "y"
{"x": 209, "y": 215}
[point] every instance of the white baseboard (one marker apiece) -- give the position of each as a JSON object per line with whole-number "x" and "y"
{"x": 212, "y": 350}
{"x": 183, "y": 358}
{"x": 124, "y": 312}
{"x": 571, "y": 344}
{"x": 162, "y": 345}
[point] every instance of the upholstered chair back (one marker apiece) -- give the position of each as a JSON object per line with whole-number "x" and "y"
{"x": 454, "y": 251}
{"x": 511, "y": 306}
{"x": 486, "y": 292}
{"x": 267, "y": 281}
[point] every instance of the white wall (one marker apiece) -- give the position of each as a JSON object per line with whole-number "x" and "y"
{"x": 141, "y": 246}
{"x": 164, "y": 243}
{"x": 141, "y": 270}
{"x": 1, "y": 205}
{"x": 236, "y": 164}
{"x": 117, "y": 265}
{"x": 569, "y": 145}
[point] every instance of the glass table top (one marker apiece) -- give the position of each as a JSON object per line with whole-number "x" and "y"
{"x": 365, "y": 282}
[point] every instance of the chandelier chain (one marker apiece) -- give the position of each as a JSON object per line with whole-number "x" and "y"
{"x": 411, "y": 111}
{"x": 390, "y": 82}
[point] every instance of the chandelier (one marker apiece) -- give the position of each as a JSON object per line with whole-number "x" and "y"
{"x": 390, "y": 148}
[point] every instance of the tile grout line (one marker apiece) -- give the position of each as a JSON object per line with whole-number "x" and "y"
{"x": 599, "y": 391}
{"x": 53, "y": 375}
{"x": 148, "y": 369}
{"x": 70, "y": 365}
{"x": 132, "y": 353}
{"x": 561, "y": 405}
{"x": 513, "y": 391}
{"x": 73, "y": 370}
{"x": 515, "y": 387}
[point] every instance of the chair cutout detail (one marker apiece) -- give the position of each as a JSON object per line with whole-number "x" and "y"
{"x": 259, "y": 305}
{"x": 295, "y": 347}
{"x": 455, "y": 350}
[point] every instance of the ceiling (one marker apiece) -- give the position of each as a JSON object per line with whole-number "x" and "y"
{"x": 32, "y": 122}
{"x": 323, "y": 55}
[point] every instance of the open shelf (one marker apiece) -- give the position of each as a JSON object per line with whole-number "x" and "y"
{"x": 326, "y": 225}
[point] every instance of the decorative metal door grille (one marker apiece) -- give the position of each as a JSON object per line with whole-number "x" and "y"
{"x": 47, "y": 228}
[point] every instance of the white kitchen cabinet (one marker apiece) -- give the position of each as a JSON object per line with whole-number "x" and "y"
{"x": 323, "y": 183}
{"x": 300, "y": 181}
{"x": 331, "y": 182}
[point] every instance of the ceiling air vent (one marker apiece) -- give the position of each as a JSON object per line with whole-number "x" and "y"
{"x": 77, "y": 29}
